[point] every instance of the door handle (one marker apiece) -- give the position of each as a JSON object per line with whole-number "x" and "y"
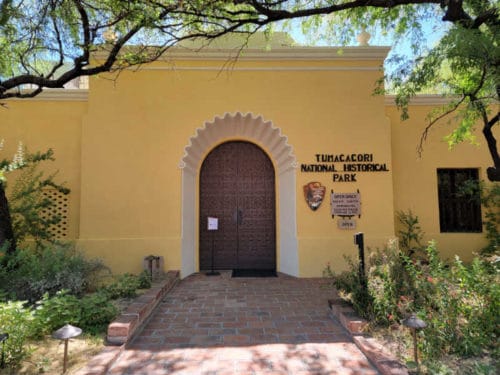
{"x": 240, "y": 217}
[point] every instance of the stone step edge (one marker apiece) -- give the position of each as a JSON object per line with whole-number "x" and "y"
{"x": 385, "y": 362}
{"x": 100, "y": 364}
{"x": 122, "y": 329}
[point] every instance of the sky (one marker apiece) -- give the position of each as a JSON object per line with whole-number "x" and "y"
{"x": 434, "y": 30}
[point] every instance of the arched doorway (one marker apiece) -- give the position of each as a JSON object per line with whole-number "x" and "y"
{"x": 261, "y": 132}
{"x": 237, "y": 186}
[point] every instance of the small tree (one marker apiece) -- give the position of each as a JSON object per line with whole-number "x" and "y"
{"x": 23, "y": 219}
{"x": 410, "y": 235}
{"x": 30, "y": 208}
{"x": 7, "y": 238}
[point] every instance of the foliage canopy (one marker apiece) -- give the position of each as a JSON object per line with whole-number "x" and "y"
{"x": 47, "y": 43}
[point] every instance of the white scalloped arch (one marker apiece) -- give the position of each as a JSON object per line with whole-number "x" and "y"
{"x": 253, "y": 129}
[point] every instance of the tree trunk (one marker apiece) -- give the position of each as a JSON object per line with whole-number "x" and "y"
{"x": 493, "y": 173}
{"x": 6, "y": 232}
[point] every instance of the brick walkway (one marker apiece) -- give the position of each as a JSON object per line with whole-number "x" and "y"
{"x": 218, "y": 325}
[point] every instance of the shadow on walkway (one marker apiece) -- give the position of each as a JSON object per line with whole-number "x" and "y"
{"x": 219, "y": 325}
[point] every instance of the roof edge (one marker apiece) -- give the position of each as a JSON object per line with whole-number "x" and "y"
{"x": 75, "y": 95}
{"x": 367, "y": 53}
{"x": 421, "y": 100}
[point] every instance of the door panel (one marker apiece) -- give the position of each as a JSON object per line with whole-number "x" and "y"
{"x": 237, "y": 186}
{"x": 256, "y": 198}
{"x": 218, "y": 198}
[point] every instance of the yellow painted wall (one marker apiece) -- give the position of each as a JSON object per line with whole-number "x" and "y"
{"x": 120, "y": 153}
{"x": 415, "y": 178}
{"x": 40, "y": 125}
{"x": 137, "y": 127}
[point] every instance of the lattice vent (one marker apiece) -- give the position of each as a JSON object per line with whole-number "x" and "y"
{"x": 61, "y": 208}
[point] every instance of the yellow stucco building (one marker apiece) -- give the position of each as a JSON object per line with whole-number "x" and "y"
{"x": 151, "y": 155}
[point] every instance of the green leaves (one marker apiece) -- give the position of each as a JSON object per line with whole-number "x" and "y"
{"x": 17, "y": 321}
{"x": 463, "y": 66}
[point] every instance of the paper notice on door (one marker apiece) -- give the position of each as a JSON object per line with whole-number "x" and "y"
{"x": 213, "y": 223}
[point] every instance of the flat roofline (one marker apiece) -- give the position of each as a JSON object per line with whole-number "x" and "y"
{"x": 288, "y": 53}
{"x": 420, "y": 100}
{"x": 82, "y": 95}
{"x": 299, "y": 53}
{"x": 68, "y": 95}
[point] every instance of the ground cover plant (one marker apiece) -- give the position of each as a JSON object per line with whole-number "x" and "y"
{"x": 459, "y": 302}
{"x": 30, "y": 324}
{"x": 45, "y": 283}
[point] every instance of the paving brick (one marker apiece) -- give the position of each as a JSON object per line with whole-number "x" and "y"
{"x": 236, "y": 339}
{"x": 220, "y": 325}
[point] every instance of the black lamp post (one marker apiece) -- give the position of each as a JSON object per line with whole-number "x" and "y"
{"x": 414, "y": 323}
{"x": 65, "y": 333}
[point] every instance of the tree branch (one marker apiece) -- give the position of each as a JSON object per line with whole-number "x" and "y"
{"x": 425, "y": 133}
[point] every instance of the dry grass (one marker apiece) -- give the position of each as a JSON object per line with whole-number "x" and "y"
{"x": 398, "y": 341}
{"x": 47, "y": 356}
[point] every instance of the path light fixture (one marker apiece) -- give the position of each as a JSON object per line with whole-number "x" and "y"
{"x": 414, "y": 323}
{"x": 65, "y": 333}
{"x": 3, "y": 338}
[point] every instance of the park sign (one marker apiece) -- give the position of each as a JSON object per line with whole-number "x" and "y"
{"x": 344, "y": 167}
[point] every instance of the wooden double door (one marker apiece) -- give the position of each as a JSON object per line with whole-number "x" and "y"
{"x": 237, "y": 186}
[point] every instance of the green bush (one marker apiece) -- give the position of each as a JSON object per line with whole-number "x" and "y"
{"x": 410, "y": 235}
{"x": 459, "y": 303}
{"x": 17, "y": 321}
{"x": 144, "y": 280}
{"x": 388, "y": 284}
{"x": 351, "y": 288}
{"x": 96, "y": 313}
{"x": 91, "y": 313}
{"x": 489, "y": 196}
{"x": 54, "y": 312}
{"x": 123, "y": 286}
{"x": 28, "y": 274}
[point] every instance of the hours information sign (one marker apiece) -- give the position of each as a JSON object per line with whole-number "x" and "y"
{"x": 345, "y": 204}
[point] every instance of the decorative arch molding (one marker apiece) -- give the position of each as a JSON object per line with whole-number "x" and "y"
{"x": 253, "y": 129}
{"x": 241, "y": 126}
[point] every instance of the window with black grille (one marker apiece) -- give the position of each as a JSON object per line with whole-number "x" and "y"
{"x": 458, "y": 212}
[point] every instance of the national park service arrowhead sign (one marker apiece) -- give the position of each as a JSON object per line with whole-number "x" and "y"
{"x": 314, "y": 194}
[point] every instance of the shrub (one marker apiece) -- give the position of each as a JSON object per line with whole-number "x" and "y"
{"x": 96, "y": 313}
{"x": 91, "y": 313}
{"x": 144, "y": 280}
{"x": 489, "y": 195}
{"x": 123, "y": 286}
{"x": 16, "y": 320}
{"x": 490, "y": 198}
{"x": 459, "y": 303}
{"x": 351, "y": 288}
{"x": 54, "y": 312}
{"x": 30, "y": 209}
{"x": 29, "y": 274}
{"x": 410, "y": 235}
{"x": 388, "y": 284}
